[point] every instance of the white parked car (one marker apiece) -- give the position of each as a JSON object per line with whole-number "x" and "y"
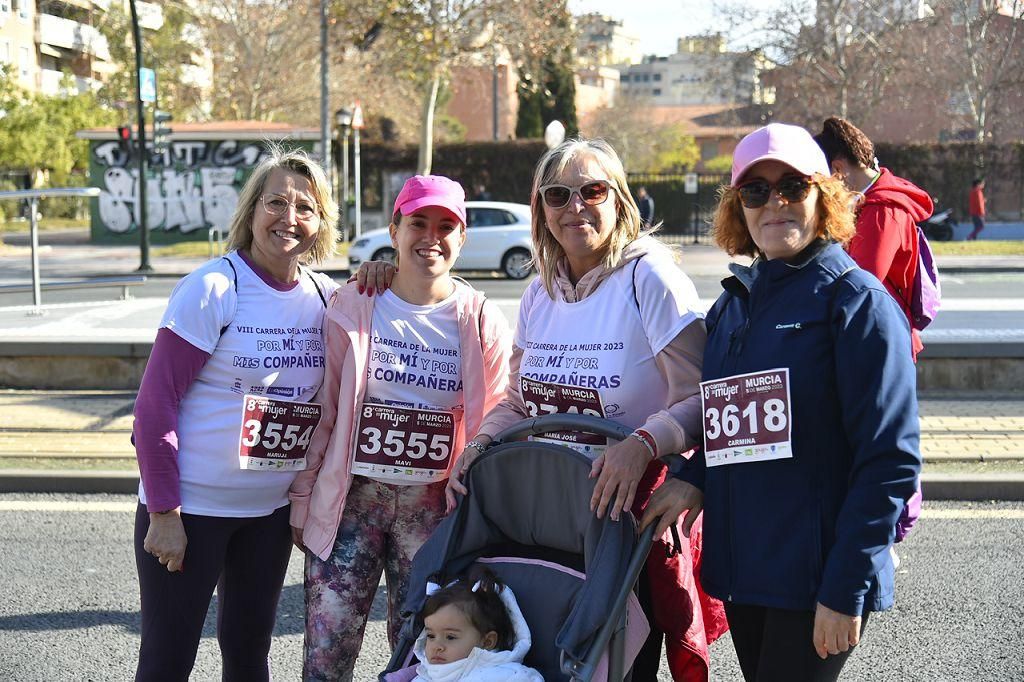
{"x": 497, "y": 238}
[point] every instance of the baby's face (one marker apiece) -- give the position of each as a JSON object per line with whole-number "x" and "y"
{"x": 450, "y": 636}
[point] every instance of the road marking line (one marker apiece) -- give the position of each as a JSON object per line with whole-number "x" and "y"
{"x": 69, "y": 506}
{"x": 972, "y": 513}
{"x": 65, "y": 506}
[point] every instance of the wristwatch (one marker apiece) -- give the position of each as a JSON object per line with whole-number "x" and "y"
{"x": 476, "y": 445}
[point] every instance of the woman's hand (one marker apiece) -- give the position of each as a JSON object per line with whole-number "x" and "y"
{"x": 834, "y": 632}
{"x": 374, "y": 275}
{"x": 618, "y": 470}
{"x": 166, "y": 539}
{"x": 458, "y": 471}
{"x": 297, "y": 539}
{"x": 671, "y": 501}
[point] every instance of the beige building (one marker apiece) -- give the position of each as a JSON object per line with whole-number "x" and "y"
{"x": 42, "y": 40}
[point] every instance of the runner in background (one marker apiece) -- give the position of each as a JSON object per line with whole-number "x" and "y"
{"x": 810, "y": 420}
{"x": 409, "y": 373}
{"x": 222, "y": 422}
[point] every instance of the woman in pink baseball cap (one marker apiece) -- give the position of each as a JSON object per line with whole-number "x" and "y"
{"x": 409, "y": 373}
{"x": 810, "y": 420}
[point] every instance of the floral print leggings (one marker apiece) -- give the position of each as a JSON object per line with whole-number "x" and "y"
{"x": 381, "y": 529}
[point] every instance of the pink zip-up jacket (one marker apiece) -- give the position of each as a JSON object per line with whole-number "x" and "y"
{"x": 318, "y": 493}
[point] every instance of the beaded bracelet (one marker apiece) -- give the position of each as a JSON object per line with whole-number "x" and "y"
{"x": 647, "y": 440}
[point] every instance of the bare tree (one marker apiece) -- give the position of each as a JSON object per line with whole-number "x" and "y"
{"x": 643, "y": 146}
{"x": 420, "y": 41}
{"x": 832, "y": 56}
{"x": 988, "y": 55}
{"x": 265, "y": 58}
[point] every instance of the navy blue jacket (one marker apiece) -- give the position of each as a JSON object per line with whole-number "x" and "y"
{"x": 816, "y": 527}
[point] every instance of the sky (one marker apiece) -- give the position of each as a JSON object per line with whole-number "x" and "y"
{"x": 659, "y": 23}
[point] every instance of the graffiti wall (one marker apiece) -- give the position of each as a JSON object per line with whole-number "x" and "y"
{"x": 192, "y": 187}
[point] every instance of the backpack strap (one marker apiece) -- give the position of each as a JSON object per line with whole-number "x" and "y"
{"x": 234, "y": 283}
{"x": 319, "y": 291}
{"x": 636, "y": 297}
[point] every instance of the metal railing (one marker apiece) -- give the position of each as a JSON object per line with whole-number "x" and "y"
{"x": 33, "y": 196}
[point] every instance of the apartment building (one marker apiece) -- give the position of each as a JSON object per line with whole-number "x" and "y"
{"x": 42, "y": 40}
{"x": 701, "y": 72}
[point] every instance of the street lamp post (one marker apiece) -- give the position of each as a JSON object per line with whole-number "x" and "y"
{"x": 144, "y": 265}
{"x": 325, "y": 140}
{"x": 357, "y": 125}
{"x": 343, "y": 121}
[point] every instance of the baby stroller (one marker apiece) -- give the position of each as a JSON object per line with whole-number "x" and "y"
{"x": 527, "y": 517}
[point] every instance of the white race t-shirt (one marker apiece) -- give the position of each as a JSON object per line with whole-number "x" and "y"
{"x": 271, "y": 346}
{"x": 596, "y": 356}
{"x": 415, "y": 367}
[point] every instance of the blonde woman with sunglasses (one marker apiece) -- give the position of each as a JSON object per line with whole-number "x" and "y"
{"x": 611, "y": 328}
{"x": 810, "y": 420}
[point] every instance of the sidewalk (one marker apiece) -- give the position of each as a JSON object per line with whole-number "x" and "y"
{"x": 46, "y": 435}
{"x": 69, "y": 255}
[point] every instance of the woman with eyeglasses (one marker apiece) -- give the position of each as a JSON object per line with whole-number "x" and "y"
{"x": 612, "y": 328}
{"x": 810, "y": 420}
{"x": 223, "y": 419}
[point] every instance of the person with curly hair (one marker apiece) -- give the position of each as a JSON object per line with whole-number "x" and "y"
{"x": 811, "y": 433}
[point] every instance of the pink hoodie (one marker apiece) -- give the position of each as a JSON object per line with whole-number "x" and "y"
{"x": 318, "y": 494}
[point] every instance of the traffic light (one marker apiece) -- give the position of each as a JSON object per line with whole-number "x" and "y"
{"x": 124, "y": 140}
{"x": 161, "y": 133}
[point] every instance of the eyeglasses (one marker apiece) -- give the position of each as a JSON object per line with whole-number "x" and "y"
{"x": 792, "y": 188}
{"x": 591, "y": 193}
{"x": 275, "y": 204}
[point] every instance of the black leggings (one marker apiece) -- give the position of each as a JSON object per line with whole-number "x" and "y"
{"x": 246, "y": 559}
{"x": 776, "y": 645}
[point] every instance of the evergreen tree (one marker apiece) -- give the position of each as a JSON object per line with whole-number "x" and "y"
{"x": 560, "y": 86}
{"x": 529, "y": 122}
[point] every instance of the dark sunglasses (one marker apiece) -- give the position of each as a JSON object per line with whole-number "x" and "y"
{"x": 792, "y": 188}
{"x": 591, "y": 193}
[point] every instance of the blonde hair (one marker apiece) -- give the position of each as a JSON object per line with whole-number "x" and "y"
{"x": 835, "y": 218}
{"x": 547, "y": 250}
{"x": 294, "y": 161}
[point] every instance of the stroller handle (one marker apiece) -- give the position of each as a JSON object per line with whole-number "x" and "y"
{"x": 586, "y": 423}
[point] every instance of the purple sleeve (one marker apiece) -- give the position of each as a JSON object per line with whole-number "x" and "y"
{"x": 173, "y": 365}
{"x": 908, "y": 517}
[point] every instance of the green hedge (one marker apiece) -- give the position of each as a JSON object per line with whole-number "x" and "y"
{"x": 946, "y": 170}
{"x": 506, "y": 169}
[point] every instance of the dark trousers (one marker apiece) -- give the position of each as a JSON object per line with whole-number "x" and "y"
{"x": 246, "y": 560}
{"x": 979, "y": 225}
{"x": 776, "y": 645}
{"x": 648, "y": 660}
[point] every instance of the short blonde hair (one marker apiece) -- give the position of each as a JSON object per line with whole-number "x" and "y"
{"x": 835, "y": 217}
{"x": 295, "y": 161}
{"x": 547, "y": 250}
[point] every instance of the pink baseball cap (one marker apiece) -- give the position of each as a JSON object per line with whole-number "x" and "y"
{"x": 432, "y": 190}
{"x": 792, "y": 145}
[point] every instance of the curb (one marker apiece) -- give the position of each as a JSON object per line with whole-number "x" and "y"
{"x": 80, "y": 482}
{"x": 973, "y": 487}
{"x": 955, "y": 487}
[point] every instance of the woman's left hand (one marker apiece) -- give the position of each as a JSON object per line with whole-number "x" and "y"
{"x": 619, "y": 471}
{"x": 834, "y": 632}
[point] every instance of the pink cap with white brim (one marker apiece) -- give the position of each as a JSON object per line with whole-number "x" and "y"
{"x": 791, "y": 145}
{"x": 432, "y": 190}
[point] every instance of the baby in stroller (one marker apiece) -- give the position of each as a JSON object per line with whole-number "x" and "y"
{"x": 473, "y": 631}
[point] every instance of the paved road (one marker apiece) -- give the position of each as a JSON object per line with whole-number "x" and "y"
{"x": 69, "y": 605}
{"x": 982, "y": 306}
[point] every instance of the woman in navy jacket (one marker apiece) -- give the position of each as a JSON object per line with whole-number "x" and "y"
{"x": 810, "y": 420}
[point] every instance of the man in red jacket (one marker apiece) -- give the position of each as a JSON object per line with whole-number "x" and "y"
{"x": 889, "y": 209}
{"x": 976, "y": 207}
